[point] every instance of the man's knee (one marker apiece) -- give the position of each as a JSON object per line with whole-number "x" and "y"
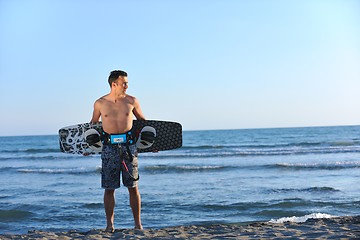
{"x": 134, "y": 191}
{"x": 109, "y": 192}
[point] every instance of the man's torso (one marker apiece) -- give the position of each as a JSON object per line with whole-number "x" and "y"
{"x": 116, "y": 116}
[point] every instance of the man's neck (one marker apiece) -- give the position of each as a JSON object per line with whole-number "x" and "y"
{"x": 116, "y": 97}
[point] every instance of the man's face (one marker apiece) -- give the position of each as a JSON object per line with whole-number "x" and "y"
{"x": 122, "y": 84}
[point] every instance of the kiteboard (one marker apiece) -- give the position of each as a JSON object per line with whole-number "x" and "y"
{"x": 148, "y": 135}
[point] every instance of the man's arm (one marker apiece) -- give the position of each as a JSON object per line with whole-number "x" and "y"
{"x": 96, "y": 113}
{"x": 95, "y": 118}
{"x": 137, "y": 110}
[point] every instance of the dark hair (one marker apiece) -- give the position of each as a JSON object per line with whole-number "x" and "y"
{"x": 114, "y": 75}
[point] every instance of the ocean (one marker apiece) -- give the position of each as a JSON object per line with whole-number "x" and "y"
{"x": 218, "y": 176}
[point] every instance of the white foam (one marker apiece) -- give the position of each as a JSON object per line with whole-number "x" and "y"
{"x": 60, "y": 170}
{"x": 302, "y": 218}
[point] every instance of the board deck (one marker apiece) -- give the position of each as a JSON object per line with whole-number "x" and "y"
{"x": 168, "y": 136}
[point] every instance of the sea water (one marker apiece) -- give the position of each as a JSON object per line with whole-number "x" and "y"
{"x": 223, "y": 176}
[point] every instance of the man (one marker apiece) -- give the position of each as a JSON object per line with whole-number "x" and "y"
{"x": 116, "y": 110}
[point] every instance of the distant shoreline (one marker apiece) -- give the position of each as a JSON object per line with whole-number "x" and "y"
{"x": 200, "y": 130}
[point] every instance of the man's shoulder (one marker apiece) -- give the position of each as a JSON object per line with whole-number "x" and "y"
{"x": 101, "y": 99}
{"x": 130, "y": 98}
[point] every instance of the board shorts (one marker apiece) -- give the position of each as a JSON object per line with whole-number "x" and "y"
{"x": 114, "y": 157}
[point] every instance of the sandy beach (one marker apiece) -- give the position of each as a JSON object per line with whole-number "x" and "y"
{"x": 331, "y": 228}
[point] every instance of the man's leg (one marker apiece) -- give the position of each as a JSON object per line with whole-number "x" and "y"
{"x": 109, "y": 205}
{"x": 135, "y": 203}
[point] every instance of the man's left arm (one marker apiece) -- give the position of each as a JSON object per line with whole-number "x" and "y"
{"x": 137, "y": 110}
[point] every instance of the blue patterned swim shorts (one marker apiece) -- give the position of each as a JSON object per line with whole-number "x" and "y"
{"x": 115, "y": 160}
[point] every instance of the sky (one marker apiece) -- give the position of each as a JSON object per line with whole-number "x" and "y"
{"x": 208, "y": 64}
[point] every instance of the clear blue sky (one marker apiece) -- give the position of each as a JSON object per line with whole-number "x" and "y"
{"x": 208, "y": 64}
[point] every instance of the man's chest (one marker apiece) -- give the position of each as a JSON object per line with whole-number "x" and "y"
{"x": 116, "y": 109}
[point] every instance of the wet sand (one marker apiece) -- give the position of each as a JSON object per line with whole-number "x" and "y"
{"x": 329, "y": 228}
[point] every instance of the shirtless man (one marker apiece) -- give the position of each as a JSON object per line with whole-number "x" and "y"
{"x": 116, "y": 110}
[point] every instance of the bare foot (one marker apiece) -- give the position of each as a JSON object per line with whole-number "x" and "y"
{"x": 138, "y": 227}
{"x": 110, "y": 229}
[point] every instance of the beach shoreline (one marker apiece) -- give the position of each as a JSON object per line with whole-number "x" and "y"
{"x": 347, "y": 227}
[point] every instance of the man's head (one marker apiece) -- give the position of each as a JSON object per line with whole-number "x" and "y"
{"x": 114, "y": 76}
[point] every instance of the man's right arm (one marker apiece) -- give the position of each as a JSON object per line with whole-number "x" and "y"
{"x": 96, "y": 113}
{"x": 95, "y": 118}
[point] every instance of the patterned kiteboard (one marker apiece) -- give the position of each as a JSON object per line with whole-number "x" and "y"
{"x": 72, "y": 139}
